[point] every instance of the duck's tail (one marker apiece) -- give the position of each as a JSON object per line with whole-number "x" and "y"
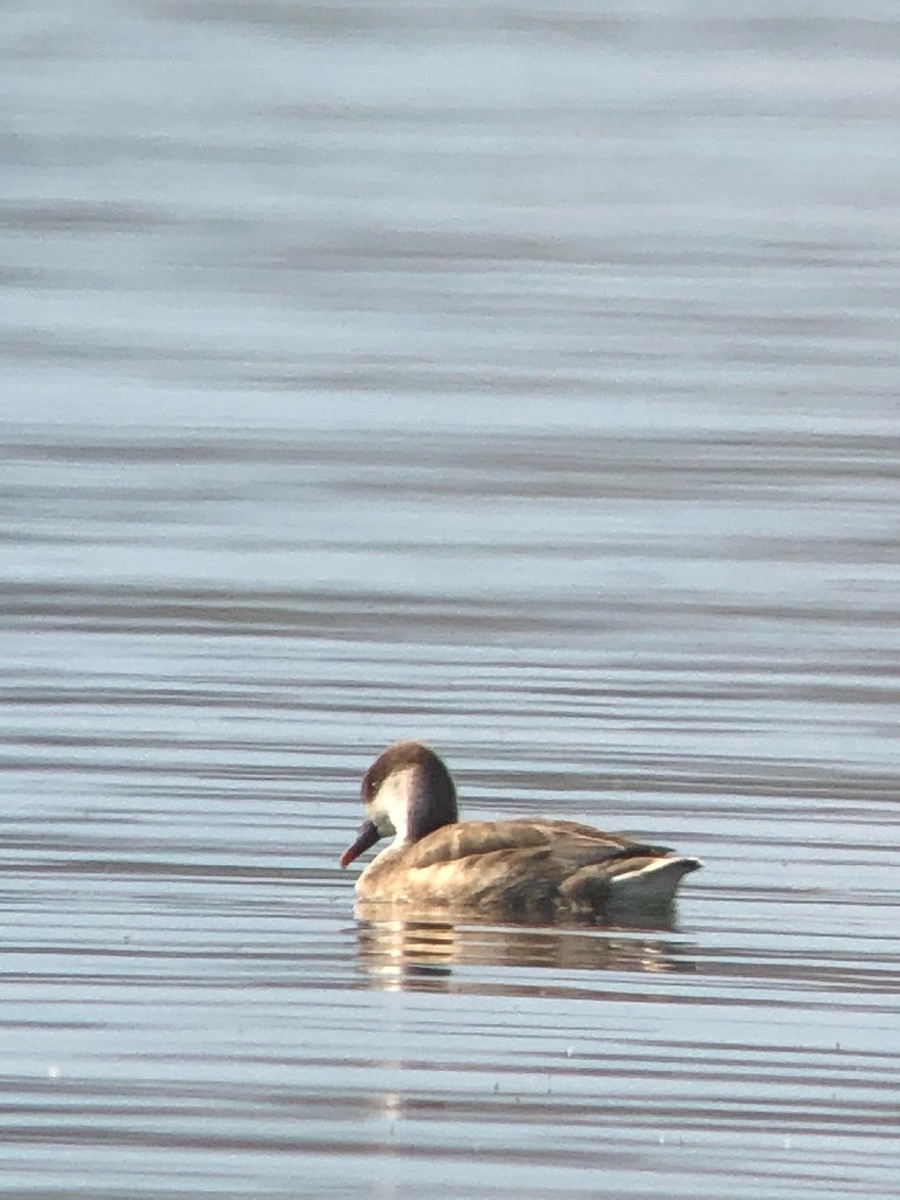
{"x": 629, "y": 883}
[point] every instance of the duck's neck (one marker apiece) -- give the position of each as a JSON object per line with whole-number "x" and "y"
{"x": 419, "y": 800}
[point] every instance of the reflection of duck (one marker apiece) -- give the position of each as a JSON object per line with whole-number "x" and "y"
{"x": 521, "y": 869}
{"x": 423, "y": 954}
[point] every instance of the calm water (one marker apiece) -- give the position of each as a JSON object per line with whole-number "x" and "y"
{"x": 521, "y": 378}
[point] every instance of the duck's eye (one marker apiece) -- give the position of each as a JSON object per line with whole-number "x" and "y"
{"x": 370, "y": 787}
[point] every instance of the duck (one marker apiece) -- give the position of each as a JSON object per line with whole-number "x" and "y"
{"x": 522, "y": 868}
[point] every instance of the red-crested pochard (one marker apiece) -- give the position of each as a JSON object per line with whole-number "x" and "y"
{"x": 526, "y": 868}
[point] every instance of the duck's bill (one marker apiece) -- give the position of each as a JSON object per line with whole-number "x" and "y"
{"x": 367, "y": 836}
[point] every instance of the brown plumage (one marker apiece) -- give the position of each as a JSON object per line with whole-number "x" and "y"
{"x": 527, "y": 869}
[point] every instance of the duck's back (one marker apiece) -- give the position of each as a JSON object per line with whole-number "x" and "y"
{"x": 526, "y": 868}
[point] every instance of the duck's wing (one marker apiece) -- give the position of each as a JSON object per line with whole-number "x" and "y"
{"x": 561, "y": 832}
{"x": 578, "y": 844}
{"x": 470, "y": 840}
{"x": 609, "y": 871}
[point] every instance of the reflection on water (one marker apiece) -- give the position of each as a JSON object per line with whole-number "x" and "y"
{"x": 416, "y": 953}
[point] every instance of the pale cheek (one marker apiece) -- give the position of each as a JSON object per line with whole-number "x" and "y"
{"x": 379, "y": 814}
{"x": 390, "y": 808}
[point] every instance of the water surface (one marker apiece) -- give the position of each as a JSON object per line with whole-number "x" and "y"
{"x": 518, "y": 378}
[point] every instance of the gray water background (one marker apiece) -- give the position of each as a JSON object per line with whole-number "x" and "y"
{"x": 519, "y": 377}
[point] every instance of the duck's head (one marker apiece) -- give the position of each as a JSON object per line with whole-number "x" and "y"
{"x": 407, "y": 793}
